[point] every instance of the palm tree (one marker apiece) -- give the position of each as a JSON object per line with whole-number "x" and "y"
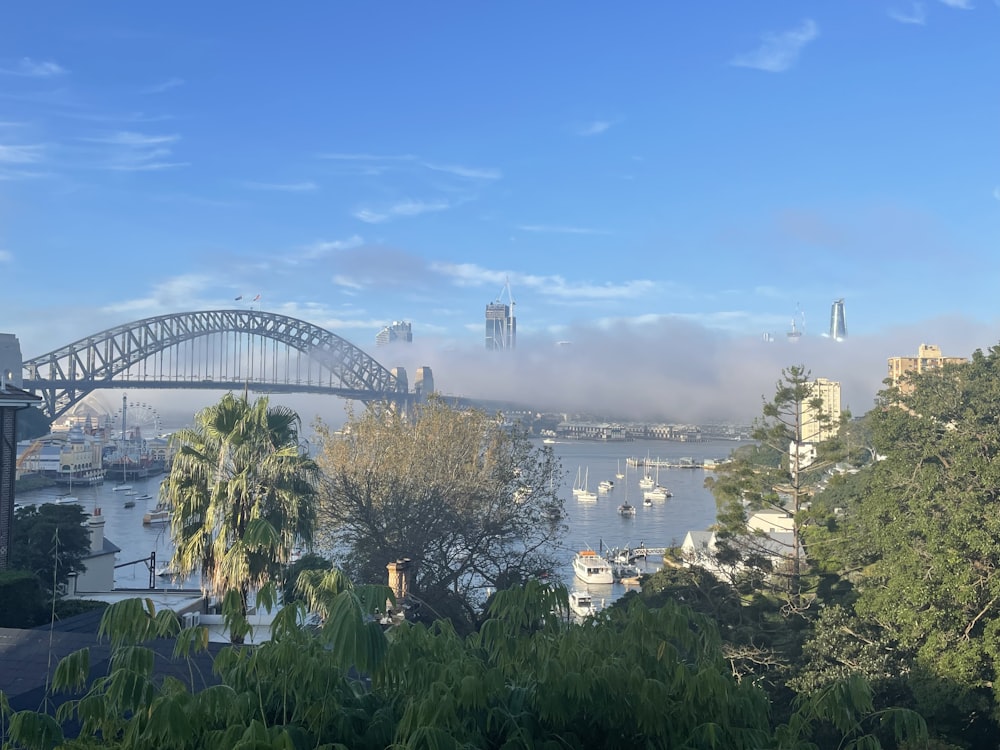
{"x": 242, "y": 494}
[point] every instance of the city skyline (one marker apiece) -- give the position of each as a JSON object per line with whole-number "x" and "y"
{"x": 658, "y": 187}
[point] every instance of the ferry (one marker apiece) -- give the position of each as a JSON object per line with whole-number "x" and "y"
{"x": 590, "y": 567}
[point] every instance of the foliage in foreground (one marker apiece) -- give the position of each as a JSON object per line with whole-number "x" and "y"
{"x": 632, "y": 676}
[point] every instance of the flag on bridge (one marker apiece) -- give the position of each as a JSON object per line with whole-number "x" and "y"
{"x": 239, "y": 298}
{"x": 256, "y": 298}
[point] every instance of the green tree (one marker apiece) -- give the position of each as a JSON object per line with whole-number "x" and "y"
{"x": 781, "y": 474}
{"x": 632, "y": 677}
{"x": 472, "y": 502}
{"x": 927, "y": 531}
{"x": 51, "y": 540}
{"x": 243, "y": 496}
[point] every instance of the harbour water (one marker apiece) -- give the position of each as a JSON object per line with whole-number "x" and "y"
{"x": 122, "y": 526}
{"x": 591, "y": 525}
{"x": 598, "y": 525}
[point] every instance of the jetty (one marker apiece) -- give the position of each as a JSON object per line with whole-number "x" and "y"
{"x": 632, "y": 554}
{"x": 664, "y": 463}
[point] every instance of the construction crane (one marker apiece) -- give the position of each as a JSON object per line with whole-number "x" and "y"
{"x": 32, "y": 450}
{"x": 501, "y": 331}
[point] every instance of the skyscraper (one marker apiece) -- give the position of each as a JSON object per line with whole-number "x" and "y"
{"x": 501, "y": 325}
{"x": 398, "y": 331}
{"x": 838, "y": 322}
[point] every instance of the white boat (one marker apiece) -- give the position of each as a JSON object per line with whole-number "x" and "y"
{"x": 590, "y": 567}
{"x": 626, "y": 509}
{"x": 160, "y": 514}
{"x": 605, "y": 486}
{"x": 147, "y": 496}
{"x": 67, "y": 499}
{"x": 122, "y": 487}
{"x": 647, "y": 501}
{"x": 549, "y": 441}
{"x": 582, "y": 493}
{"x": 581, "y": 604}
{"x": 618, "y": 474}
{"x": 659, "y": 492}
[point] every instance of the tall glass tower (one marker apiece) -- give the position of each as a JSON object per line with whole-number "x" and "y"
{"x": 501, "y": 326}
{"x": 838, "y": 322}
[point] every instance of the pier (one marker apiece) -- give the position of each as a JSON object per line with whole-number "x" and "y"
{"x": 660, "y": 463}
{"x": 632, "y": 554}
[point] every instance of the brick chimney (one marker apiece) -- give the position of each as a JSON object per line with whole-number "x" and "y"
{"x": 96, "y": 524}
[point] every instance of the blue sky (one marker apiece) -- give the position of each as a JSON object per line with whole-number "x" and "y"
{"x": 661, "y": 184}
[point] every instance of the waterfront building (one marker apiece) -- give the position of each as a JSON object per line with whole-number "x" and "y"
{"x": 838, "y": 321}
{"x": 928, "y": 358}
{"x": 398, "y": 330}
{"x": 815, "y": 430}
{"x": 68, "y": 456}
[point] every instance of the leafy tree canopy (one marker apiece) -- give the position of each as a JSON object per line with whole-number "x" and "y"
{"x": 927, "y": 531}
{"x": 241, "y": 491}
{"x": 631, "y": 677}
{"x": 472, "y": 502}
{"x": 51, "y": 541}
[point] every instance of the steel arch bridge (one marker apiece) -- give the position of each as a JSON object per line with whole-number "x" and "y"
{"x": 214, "y": 349}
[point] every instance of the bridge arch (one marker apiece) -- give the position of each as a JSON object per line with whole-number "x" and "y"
{"x": 112, "y": 358}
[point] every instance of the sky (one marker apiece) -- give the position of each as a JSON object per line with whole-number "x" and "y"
{"x": 662, "y": 186}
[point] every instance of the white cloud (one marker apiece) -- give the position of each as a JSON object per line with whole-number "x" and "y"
{"x": 139, "y": 152}
{"x": 159, "y": 88}
{"x": 325, "y": 247}
{"x": 6, "y": 256}
{"x": 346, "y": 281}
{"x": 403, "y": 208}
{"x": 177, "y": 293}
{"x": 35, "y": 68}
{"x": 365, "y": 157}
{"x": 960, "y": 4}
{"x": 20, "y": 154}
{"x": 594, "y": 128}
{"x": 917, "y": 15}
{"x": 779, "y": 51}
{"x": 458, "y": 170}
{"x": 131, "y": 138}
{"x": 283, "y": 187}
{"x": 555, "y": 229}
{"x": 472, "y": 275}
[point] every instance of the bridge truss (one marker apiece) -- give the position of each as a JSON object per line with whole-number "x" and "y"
{"x": 215, "y": 349}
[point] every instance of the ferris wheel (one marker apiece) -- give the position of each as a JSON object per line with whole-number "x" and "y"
{"x": 141, "y": 420}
